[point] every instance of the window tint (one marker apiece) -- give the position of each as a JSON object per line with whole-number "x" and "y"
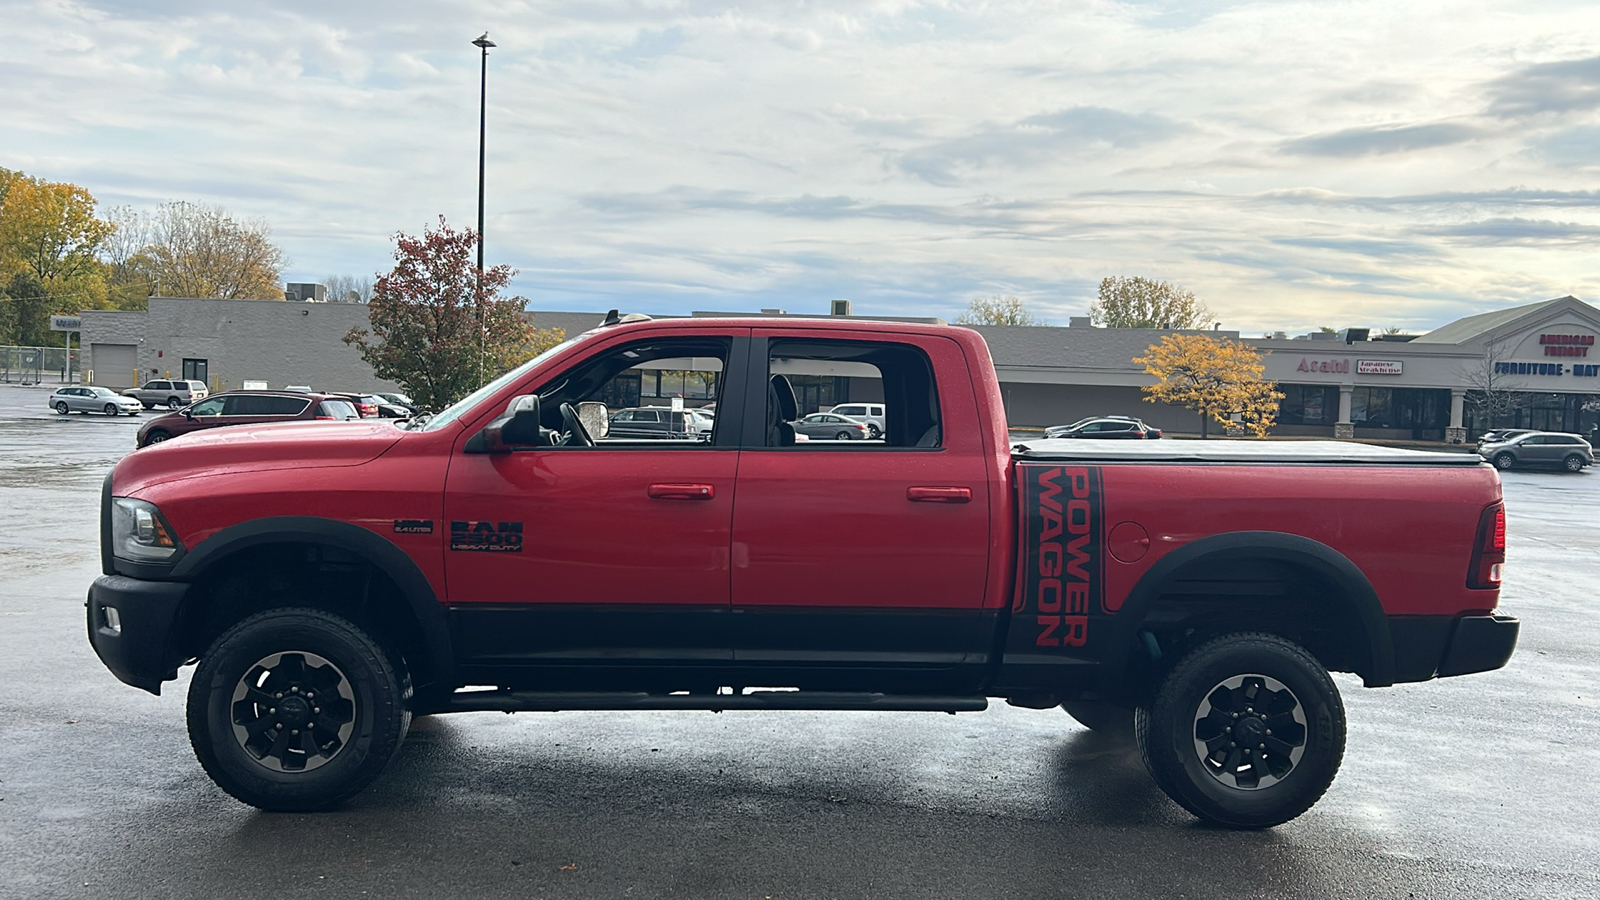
{"x": 158, "y": 386}
{"x": 208, "y": 407}
{"x": 623, "y": 397}
{"x": 806, "y": 375}
{"x": 338, "y": 409}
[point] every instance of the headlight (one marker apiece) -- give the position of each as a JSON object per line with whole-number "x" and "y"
{"x": 139, "y": 533}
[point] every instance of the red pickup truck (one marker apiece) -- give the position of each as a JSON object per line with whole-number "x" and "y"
{"x": 509, "y": 554}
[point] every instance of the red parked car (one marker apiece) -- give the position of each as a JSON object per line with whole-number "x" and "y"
{"x": 245, "y": 408}
{"x": 333, "y": 582}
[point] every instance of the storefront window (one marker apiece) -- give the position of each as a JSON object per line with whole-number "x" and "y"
{"x": 1308, "y": 404}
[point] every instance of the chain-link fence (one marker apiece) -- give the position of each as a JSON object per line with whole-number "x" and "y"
{"x": 39, "y": 365}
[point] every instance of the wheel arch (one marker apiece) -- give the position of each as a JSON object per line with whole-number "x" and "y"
{"x": 1349, "y": 590}
{"x": 381, "y": 554}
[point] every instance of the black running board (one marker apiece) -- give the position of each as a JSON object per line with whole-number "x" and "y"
{"x": 534, "y": 701}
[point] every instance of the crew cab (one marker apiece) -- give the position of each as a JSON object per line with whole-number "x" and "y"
{"x": 510, "y": 553}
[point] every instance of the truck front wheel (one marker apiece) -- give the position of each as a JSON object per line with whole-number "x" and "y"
{"x": 296, "y": 710}
{"x": 1246, "y": 731}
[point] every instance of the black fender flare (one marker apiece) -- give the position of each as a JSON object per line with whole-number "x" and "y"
{"x": 374, "y": 548}
{"x": 1328, "y": 563}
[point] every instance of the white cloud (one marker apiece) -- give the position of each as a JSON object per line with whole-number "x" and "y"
{"x": 1294, "y": 163}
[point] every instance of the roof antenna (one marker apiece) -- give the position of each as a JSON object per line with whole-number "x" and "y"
{"x": 611, "y": 318}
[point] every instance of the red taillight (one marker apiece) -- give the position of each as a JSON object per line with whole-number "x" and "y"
{"x": 326, "y": 419}
{"x": 1155, "y": 432}
{"x": 1489, "y": 553}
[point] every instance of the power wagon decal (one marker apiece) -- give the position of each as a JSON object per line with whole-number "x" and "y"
{"x": 1061, "y": 577}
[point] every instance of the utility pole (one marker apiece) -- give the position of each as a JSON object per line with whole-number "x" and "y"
{"x": 482, "y": 43}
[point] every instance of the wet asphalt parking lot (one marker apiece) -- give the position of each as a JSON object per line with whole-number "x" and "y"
{"x": 1482, "y": 786}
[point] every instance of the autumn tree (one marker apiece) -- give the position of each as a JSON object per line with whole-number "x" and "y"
{"x": 27, "y": 315}
{"x": 1219, "y": 378}
{"x": 434, "y": 330}
{"x": 1143, "y": 303}
{"x": 997, "y": 310}
{"x": 130, "y": 279}
{"x": 49, "y": 230}
{"x": 196, "y": 250}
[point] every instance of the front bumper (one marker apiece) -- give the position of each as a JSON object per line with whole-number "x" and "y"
{"x": 1440, "y": 646}
{"x": 130, "y": 627}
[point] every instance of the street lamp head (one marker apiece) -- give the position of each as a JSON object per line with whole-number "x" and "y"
{"x": 484, "y": 42}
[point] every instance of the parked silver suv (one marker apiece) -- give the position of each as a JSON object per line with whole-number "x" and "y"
{"x": 1540, "y": 448}
{"x": 169, "y": 393}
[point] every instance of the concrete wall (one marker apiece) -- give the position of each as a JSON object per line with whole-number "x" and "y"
{"x": 274, "y": 341}
{"x": 1039, "y": 405}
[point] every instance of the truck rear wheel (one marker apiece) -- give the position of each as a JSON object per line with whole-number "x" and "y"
{"x": 296, "y": 710}
{"x": 1246, "y": 731}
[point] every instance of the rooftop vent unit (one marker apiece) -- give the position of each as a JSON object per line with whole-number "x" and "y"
{"x": 1351, "y": 335}
{"x": 839, "y": 308}
{"x": 305, "y": 293}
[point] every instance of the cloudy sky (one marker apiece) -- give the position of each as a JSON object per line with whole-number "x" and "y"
{"x": 1295, "y": 164}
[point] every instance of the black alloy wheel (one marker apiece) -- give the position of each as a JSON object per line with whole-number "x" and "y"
{"x": 1574, "y": 463}
{"x": 61, "y": 407}
{"x": 296, "y": 710}
{"x": 1504, "y": 461}
{"x": 1246, "y": 731}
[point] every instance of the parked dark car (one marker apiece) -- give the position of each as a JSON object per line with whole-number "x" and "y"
{"x": 828, "y": 426}
{"x": 245, "y": 408}
{"x": 1547, "y": 449}
{"x": 1113, "y": 427}
{"x": 400, "y": 400}
{"x": 654, "y": 422}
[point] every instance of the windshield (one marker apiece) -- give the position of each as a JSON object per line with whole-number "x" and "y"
{"x": 455, "y": 410}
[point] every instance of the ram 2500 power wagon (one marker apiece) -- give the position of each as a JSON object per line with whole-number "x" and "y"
{"x": 510, "y": 554}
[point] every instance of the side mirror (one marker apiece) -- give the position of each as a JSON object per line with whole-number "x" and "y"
{"x": 518, "y": 427}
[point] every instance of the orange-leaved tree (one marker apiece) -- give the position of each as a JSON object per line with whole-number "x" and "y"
{"x": 1218, "y": 377}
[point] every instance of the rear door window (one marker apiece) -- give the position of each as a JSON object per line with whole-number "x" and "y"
{"x": 337, "y": 409}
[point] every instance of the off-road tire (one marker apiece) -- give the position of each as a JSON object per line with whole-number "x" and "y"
{"x": 1202, "y": 688}
{"x": 372, "y": 721}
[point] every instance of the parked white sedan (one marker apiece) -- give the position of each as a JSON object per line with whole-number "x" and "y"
{"x": 93, "y": 400}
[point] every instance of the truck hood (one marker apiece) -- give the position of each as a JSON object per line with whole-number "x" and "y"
{"x": 254, "y": 448}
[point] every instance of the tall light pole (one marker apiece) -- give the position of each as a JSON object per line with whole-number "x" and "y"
{"x": 482, "y": 43}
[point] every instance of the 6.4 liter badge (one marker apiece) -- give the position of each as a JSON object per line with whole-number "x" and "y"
{"x": 491, "y": 537}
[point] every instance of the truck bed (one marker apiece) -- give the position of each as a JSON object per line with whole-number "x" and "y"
{"x": 1342, "y": 453}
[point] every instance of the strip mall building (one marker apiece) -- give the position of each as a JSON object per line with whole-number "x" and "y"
{"x": 1350, "y": 384}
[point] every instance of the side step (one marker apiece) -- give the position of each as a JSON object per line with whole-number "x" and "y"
{"x": 537, "y": 701}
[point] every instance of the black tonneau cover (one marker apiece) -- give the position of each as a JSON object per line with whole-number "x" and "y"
{"x": 1166, "y": 450}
